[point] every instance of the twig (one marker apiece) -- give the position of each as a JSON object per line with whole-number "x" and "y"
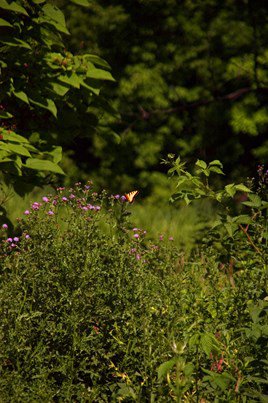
{"x": 249, "y": 239}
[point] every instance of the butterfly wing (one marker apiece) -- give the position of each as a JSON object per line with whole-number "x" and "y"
{"x": 131, "y": 195}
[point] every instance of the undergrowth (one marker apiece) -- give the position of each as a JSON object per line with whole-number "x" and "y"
{"x": 92, "y": 310}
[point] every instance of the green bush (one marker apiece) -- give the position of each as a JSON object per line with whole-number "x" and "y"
{"x": 93, "y": 311}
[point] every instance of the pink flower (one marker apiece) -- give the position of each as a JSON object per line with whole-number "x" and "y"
{"x": 16, "y": 239}
{"x": 5, "y": 226}
{"x": 171, "y": 238}
{"x": 161, "y": 237}
{"x": 135, "y": 229}
{"x": 138, "y": 256}
{"x": 26, "y": 212}
{"x": 136, "y": 236}
{"x": 45, "y": 199}
{"x": 64, "y": 199}
{"x": 50, "y": 212}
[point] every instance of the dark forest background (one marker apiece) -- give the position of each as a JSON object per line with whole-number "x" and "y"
{"x": 191, "y": 79}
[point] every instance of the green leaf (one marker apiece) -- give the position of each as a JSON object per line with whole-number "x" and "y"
{"x": 59, "y": 89}
{"x": 201, "y": 164}
{"x": 243, "y": 219}
{"x": 216, "y": 162}
{"x": 242, "y": 188}
{"x": 18, "y": 149}
{"x": 4, "y": 23}
{"x": 72, "y": 79}
{"x": 99, "y": 74}
{"x": 83, "y": 3}
{"x": 56, "y": 18}
{"x": 14, "y": 137}
{"x": 38, "y": 1}
{"x": 217, "y": 170}
{"x": 48, "y": 104}
{"x": 7, "y": 40}
{"x": 56, "y": 154}
{"x": 12, "y": 7}
{"x": 164, "y": 368}
{"x": 43, "y": 165}
{"x": 5, "y": 115}
{"x": 209, "y": 343}
{"x": 96, "y": 60}
{"x": 230, "y": 189}
{"x": 22, "y": 96}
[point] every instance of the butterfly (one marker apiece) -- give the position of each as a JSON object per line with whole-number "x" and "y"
{"x": 131, "y": 195}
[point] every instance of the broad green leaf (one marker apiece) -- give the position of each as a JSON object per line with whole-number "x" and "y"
{"x": 5, "y": 115}
{"x": 56, "y": 17}
{"x": 230, "y": 189}
{"x": 255, "y": 199}
{"x": 7, "y": 40}
{"x": 12, "y": 7}
{"x": 209, "y": 343}
{"x": 56, "y": 154}
{"x": 14, "y": 137}
{"x": 242, "y": 188}
{"x": 243, "y": 219}
{"x": 164, "y": 368}
{"x": 96, "y": 60}
{"x": 216, "y": 169}
{"x": 48, "y": 104}
{"x": 4, "y": 23}
{"x": 72, "y": 79}
{"x": 99, "y": 74}
{"x": 22, "y": 96}
{"x": 58, "y": 88}
{"x": 91, "y": 87}
{"x": 83, "y": 3}
{"x": 201, "y": 164}
{"x": 43, "y": 165}
{"x": 189, "y": 369}
{"x": 216, "y": 162}
{"x": 38, "y": 1}
{"x": 18, "y": 149}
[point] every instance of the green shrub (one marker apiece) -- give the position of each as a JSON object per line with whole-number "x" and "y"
{"x": 92, "y": 311}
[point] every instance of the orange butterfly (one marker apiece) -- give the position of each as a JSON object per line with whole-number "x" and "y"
{"x": 131, "y": 195}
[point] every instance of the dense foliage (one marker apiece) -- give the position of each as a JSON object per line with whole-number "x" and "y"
{"x": 92, "y": 310}
{"x": 191, "y": 79}
{"x": 48, "y": 95}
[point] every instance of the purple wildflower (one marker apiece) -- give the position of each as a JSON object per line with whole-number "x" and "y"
{"x": 45, "y": 199}
{"x": 117, "y": 197}
{"x": 16, "y": 239}
{"x": 5, "y": 226}
{"x": 54, "y": 202}
{"x": 60, "y": 189}
{"x": 85, "y": 208}
{"x": 36, "y": 206}
{"x": 138, "y": 256}
{"x": 9, "y": 240}
{"x": 72, "y": 196}
{"x": 161, "y": 237}
{"x": 136, "y": 236}
{"x": 123, "y": 198}
{"x": 64, "y": 199}
{"x": 87, "y": 187}
{"x": 27, "y": 236}
{"x": 50, "y": 212}
{"x": 135, "y": 229}
{"x": 13, "y": 245}
{"x": 26, "y": 212}
{"x": 133, "y": 250}
{"x": 171, "y": 238}
{"x": 97, "y": 208}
